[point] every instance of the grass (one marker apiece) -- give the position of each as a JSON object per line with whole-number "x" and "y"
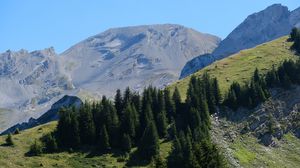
{"x": 240, "y": 67}
{"x": 14, "y": 157}
{"x": 250, "y": 153}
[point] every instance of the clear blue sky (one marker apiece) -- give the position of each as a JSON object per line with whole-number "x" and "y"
{"x": 38, "y": 24}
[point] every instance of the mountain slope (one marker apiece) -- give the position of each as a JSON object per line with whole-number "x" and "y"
{"x": 29, "y": 82}
{"x": 134, "y": 56}
{"x": 239, "y": 67}
{"x": 273, "y": 22}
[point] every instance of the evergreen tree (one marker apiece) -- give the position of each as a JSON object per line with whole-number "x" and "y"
{"x": 104, "y": 140}
{"x": 175, "y": 159}
{"x": 149, "y": 145}
{"x": 162, "y": 124}
{"x": 17, "y": 131}
{"x": 177, "y": 100}
{"x": 217, "y": 91}
{"x": 128, "y": 123}
{"x": 170, "y": 107}
{"x": 295, "y": 32}
{"x": 126, "y": 143}
{"x": 9, "y": 141}
{"x": 173, "y": 130}
{"x": 119, "y": 103}
{"x": 68, "y": 129}
{"x": 86, "y": 125}
{"x": 50, "y": 143}
{"x": 36, "y": 149}
{"x": 127, "y": 97}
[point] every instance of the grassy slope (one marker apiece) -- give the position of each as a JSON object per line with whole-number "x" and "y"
{"x": 240, "y": 67}
{"x": 14, "y": 157}
{"x": 251, "y": 154}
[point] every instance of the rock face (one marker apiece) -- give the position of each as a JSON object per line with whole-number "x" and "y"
{"x": 275, "y": 117}
{"x": 29, "y": 81}
{"x": 50, "y": 115}
{"x": 134, "y": 56}
{"x": 269, "y": 24}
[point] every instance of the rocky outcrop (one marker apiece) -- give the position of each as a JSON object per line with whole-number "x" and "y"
{"x": 276, "y": 117}
{"x": 29, "y": 83}
{"x": 269, "y": 24}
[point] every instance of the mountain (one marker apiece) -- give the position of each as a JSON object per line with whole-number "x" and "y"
{"x": 50, "y": 115}
{"x": 273, "y": 22}
{"x": 243, "y": 137}
{"x": 29, "y": 83}
{"x": 134, "y": 56}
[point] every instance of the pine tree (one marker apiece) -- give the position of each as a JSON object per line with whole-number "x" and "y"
{"x": 173, "y": 130}
{"x": 9, "y": 141}
{"x": 36, "y": 149}
{"x": 294, "y": 34}
{"x": 170, "y": 107}
{"x": 68, "y": 129}
{"x": 119, "y": 103}
{"x": 104, "y": 140}
{"x": 17, "y": 131}
{"x": 194, "y": 118}
{"x": 128, "y": 122}
{"x": 127, "y": 97}
{"x": 162, "y": 124}
{"x": 175, "y": 159}
{"x": 86, "y": 125}
{"x": 126, "y": 143}
{"x": 50, "y": 143}
{"x": 177, "y": 100}
{"x": 217, "y": 91}
{"x": 149, "y": 145}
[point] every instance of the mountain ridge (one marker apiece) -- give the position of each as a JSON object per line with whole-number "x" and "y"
{"x": 273, "y": 22}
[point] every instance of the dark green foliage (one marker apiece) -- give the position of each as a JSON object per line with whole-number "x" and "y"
{"x": 9, "y": 141}
{"x": 17, "y": 131}
{"x": 139, "y": 121}
{"x": 295, "y": 37}
{"x": 149, "y": 145}
{"x": 126, "y": 143}
{"x": 194, "y": 154}
{"x": 119, "y": 102}
{"x": 294, "y": 33}
{"x": 36, "y": 149}
{"x": 170, "y": 106}
{"x": 251, "y": 94}
{"x": 162, "y": 124}
{"x": 158, "y": 162}
{"x": 68, "y": 129}
{"x": 128, "y": 125}
{"x": 217, "y": 91}
{"x": 86, "y": 125}
{"x": 104, "y": 140}
{"x": 177, "y": 100}
{"x": 50, "y": 144}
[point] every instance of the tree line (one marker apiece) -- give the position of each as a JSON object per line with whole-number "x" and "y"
{"x": 142, "y": 120}
{"x": 295, "y": 37}
{"x": 258, "y": 89}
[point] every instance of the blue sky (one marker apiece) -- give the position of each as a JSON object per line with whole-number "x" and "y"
{"x": 38, "y": 24}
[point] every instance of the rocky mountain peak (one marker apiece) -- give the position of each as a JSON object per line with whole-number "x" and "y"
{"x": 135, "y": 56}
